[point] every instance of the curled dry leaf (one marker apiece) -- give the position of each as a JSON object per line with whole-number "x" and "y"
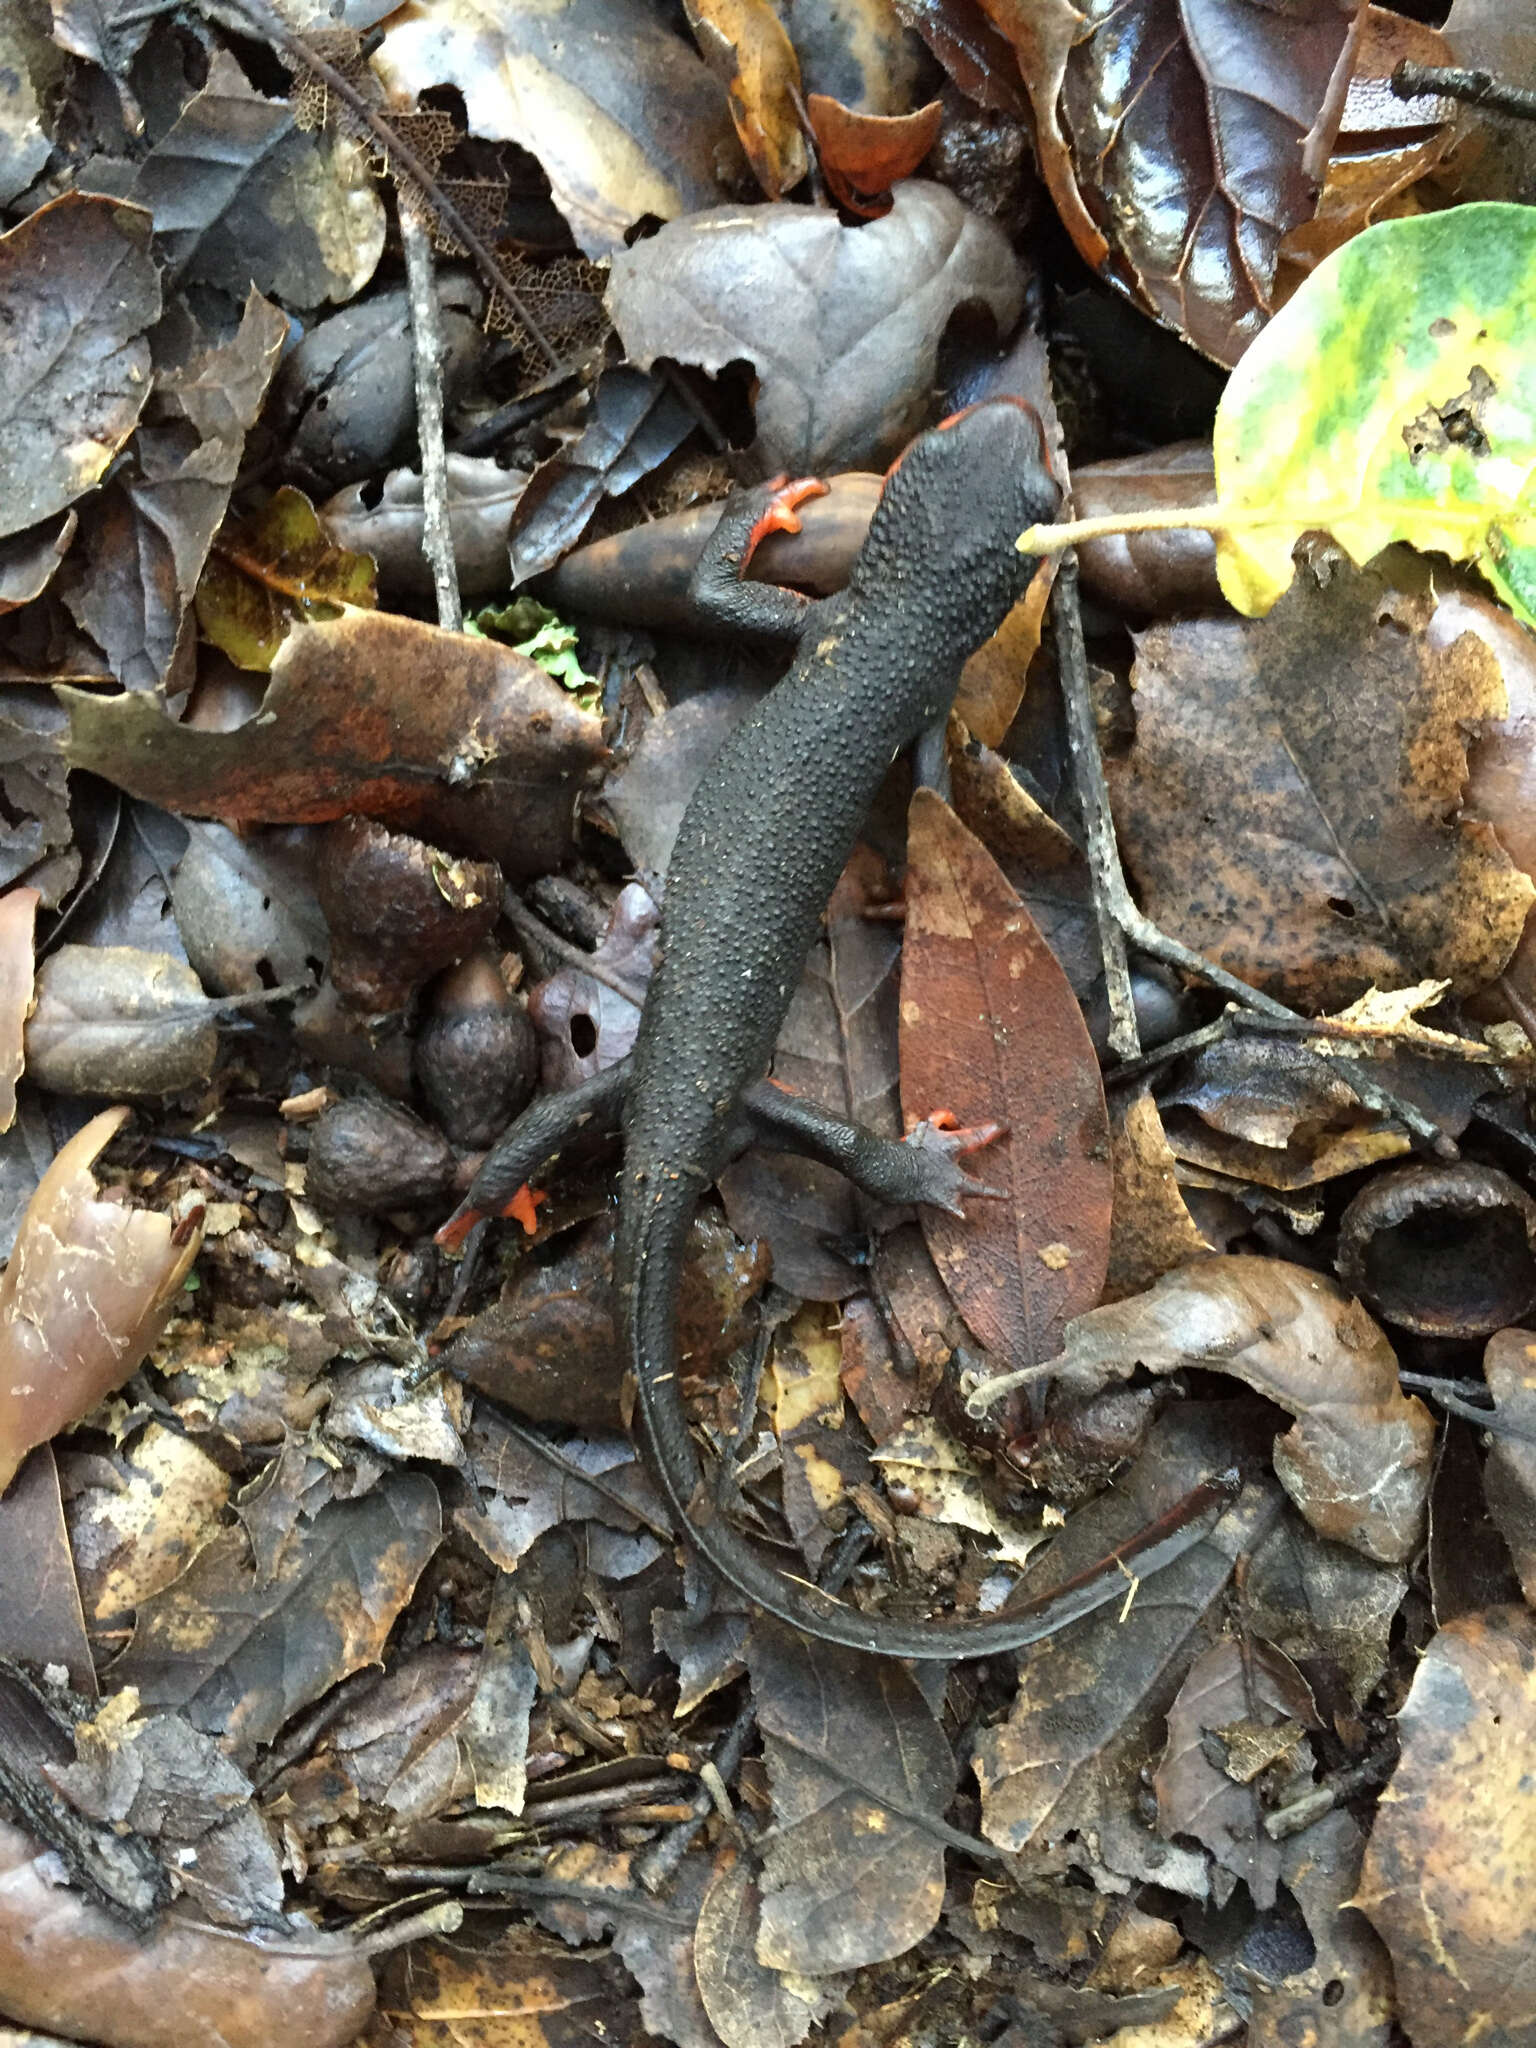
{"x": 1452, "y": 1856}
{"x": 67, "y": 1965}
{"x": 387, "y": 525}
{"x": 89, "y": 1288}
{"x": 78, "y": 292}
{"x": 748, "y": 48}
{"x": 991, "y": 1031}
{"x": 114, "y": 1020}
{"x": 1357, "y": 1461}
{"x": 841, "y": 324}
{"x": 863, "y": 155}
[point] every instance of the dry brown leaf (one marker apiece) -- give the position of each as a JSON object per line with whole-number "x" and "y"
{"x": 89, "y": 1288}
{"x": 1152, "y": 1231}
{"x": 1290, "y": 807}
{"x": 1357, "y": 1461}
{"x": 863, "y": 154}
{"x": 1451, "y": 1865}
{"x": 991, "y": 1032}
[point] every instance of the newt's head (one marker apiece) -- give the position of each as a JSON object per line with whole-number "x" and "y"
{"x": 952, "y": 508}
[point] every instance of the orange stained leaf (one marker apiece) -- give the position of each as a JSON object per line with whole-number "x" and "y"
{"x": 864, "y": 155}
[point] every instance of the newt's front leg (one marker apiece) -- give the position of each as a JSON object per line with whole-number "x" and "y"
{"x": 719, "y": 587}
{"x": 923, "y": 1167}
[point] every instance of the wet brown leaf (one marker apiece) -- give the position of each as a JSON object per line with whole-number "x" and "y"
{"x": 230, "y": 168}
{"x": 622, "y": 115}
{"x": 113, "y": 1020}
{"x": 387, "y": 524}
{"x": 1243, "y": 1704}
{"x": 272, "y": 569}
{"x": 90, "y": 1287}
{"x": 752, "y": 283}
{"x": 981, "y": 61}
{"x": 991, "y": 1031}
{"x": 1452, "y": 1857}
{"x": 41, "y": 1618}
{"x": 144, "y": 542}
{"x": 1357, "y": 1460}
{"x": 78, "y": 292}
{"x": 345, "y": 726}
{"x": 1178, "y": 142}
{"x": 239, "y": 1653}
{"x": 66, "y": 1964}
{"x": 1509, "y": 1474}
{"x": 1290, "y": 805}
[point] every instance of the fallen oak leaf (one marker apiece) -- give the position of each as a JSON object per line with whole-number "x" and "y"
{"x": 488, "y": 760}
{"x": 89, "y": 1288}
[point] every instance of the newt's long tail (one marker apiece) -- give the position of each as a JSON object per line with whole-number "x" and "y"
{"x": 653, "y": 1236}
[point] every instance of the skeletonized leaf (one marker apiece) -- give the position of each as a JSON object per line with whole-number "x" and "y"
{"x": 89, "y": 1288}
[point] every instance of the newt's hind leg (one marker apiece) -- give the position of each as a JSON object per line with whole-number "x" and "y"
{"x": 718, "y": 588}
{"x": 531, "y": 1147}
{"x": 922, "y": 1167}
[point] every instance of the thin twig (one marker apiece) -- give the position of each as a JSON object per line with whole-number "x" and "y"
{"x": 1082, "y": 744}
{"x": 427, "y": 348}
{"x": 401, "y": 158}
{"x": 529, "y": 925}
{"x": 1452, "y": 82}
{"x": 1452, "y": 1396}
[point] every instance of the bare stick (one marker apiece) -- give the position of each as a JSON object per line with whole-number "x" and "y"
{"x": 427, "y": 347}
{"x": 1478, "y": 88}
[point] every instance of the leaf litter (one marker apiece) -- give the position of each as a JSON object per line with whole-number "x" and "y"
{"x": 335, "y": 1601}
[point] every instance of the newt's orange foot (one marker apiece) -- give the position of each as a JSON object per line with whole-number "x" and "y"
{"x": 781, "y": 515}
{"x": 457, "y": 1228}
{"x": 941, "y": 1141}
{"x": 524, "y": 1207}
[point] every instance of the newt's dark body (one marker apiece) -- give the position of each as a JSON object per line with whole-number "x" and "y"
{"x": 760, "y": 847}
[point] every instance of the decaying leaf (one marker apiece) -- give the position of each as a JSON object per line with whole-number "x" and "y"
{"x": 490, "y": 758}
{"x": 239, "y": 1652}
{"x": 749, "y": 2005}
{"x": 113, "y": 1020}
{"x": 623, "y": 116}
{"x": 1452, "y": 1857}
{"x": 89, "y": 1288}
{"x": 271, "y": 569}
{"x": 841, "y": 324}
{"x": 1241, "y": 1713}
{"x": 1290, "y": 805}
{"x": 78, "y": 292}
{"x": 387, "y": 524}
{"x": 1509, "y": 1474}
{"x": 1357, "y": 1460}
{"x": 991, "y": 1032}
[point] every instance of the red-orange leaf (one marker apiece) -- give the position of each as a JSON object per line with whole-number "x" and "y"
{"x": 991, "y": 1030}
